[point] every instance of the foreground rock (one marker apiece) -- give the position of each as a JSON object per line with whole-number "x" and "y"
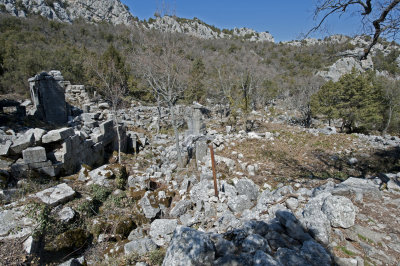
{"x": 56, "y": 195}
{"x": 189, "y": 247}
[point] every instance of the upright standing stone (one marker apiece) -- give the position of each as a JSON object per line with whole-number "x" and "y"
{"x": 48, "y": 97}
{"x": 195, "y": 122}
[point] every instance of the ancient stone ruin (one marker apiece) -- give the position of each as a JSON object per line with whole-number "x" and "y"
{"x": 48, "y": 97}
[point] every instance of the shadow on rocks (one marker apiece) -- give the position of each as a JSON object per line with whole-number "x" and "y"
{"x": 282, "y": 241}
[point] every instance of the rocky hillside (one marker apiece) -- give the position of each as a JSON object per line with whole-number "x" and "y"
{"x": 287, "y": 195}
{"x": 112, "y": 11}
{"x": 197, "y": 28}
{"x": 115, "y": 12}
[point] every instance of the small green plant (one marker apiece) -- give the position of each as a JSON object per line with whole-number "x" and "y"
{"x": 365, "y": 239}
{"x": 40, "y": 213}
{"x": 3, "y": 8}
{"x": 156, "y": 256}
{"x": 346, "y": 251}
{"x": 100, "y": 193}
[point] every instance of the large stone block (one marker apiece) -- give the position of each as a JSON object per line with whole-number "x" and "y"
{"x": 56, "y": 195}
{"x": 22, "y": 142}
{"x": 107, "y": 129}
{"x": 5, "y": 148}
{"x": 48, "y": 96}
{"x": 34, "y": 155}
{"x": 58, "y": 135}
{"x": 38, "y": 132}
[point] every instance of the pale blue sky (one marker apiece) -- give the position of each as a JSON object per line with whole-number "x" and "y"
{"x": 284, "y": 19}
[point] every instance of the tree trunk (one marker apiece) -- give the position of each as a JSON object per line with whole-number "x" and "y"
{"x": 119, "y": 144}
{"x": 115, "y": 119}
{"x": 159, "y": 113}
{"x": 389, "y": 120}
{"x": 178, "y": 150}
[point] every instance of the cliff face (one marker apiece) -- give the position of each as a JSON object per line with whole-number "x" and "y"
{"x": 200, "y": 29}
{"x": 112, "y": 11}
{"x": 115, "y": 12}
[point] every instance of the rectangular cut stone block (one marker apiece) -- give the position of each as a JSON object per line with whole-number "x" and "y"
{"x": 56, "y": 195}
{"x": 34, "y": 155}
{"x": 22, "y": 142}
{"x": 40, "y": 165}
{"x": 4, "y": 148}
{"x": 107, "y": 129}
{"x": 58, "y": 135}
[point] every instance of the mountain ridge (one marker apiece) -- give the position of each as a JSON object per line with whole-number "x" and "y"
{"x": 115, "y": 12}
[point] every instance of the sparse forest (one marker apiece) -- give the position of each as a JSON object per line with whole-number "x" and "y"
{"x": 240, "y": 74}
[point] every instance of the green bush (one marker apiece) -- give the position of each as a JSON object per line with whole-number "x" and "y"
{"x": 353, "y": 99}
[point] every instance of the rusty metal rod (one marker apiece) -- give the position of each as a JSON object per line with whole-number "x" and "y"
{"x": 213, "y": 169}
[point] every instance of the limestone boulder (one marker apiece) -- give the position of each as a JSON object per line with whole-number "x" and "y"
{"x": 34, "y": 155}
{"x": 239, "y": 203}
{"x": 340, "y": 211}
{"x": 15, "y": 223}
{"x": 140, "y": 246}
{"x": 247, "y": 187}
{"x": 58, "y": 135}
{"x": 5, "y": 148}
{"x": 56, "y": 195}
{"x": 180, "y": 208}
{"x": 189, "y": 247}
{"x": 22, "y": 142}
{"x": 150, "y": 211}
{"x": 161, "y": 230}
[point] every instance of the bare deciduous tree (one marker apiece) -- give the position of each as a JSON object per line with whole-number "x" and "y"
{"x": 165, "y": 70}
{"x": 109, "y": 75}
{"x": 380, "y": 18}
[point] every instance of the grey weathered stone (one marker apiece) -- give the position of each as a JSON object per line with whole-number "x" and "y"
{"x": 101, "y": 176}
{"x": 234, "y": 260}
{"x": 292, "y": 203}
{"x": 48, "y": 97}
{"x": 195, "y": 123}
{"x": 200, "y": 190}
{"x": 139, "y": 182}
{"x": 255, "y": 242}
{"x": 340, "y": 211}
{"x": 34, "y": 155}
{"x": 247, "y": 187}
{"x": 74, "y": 262}
{"x": 315, "y": 253}
{"x": 256, "y": 227}
{"x": 292, "y": 225}
{"x": 32, "y": 246}
{"x": 262, "y": 259}
{"x": 287, "y": 256}
{"x": 107, "y": 130}
{"x": 66, "y": 214}
{"x": 239, "y": 203}
{"x": 189, "y": 247}
{"x": 201, "y": 150}
{"x": 180, "y": 208}
{"x": 15, "y": 223}
{"x": 222, "y": 246}
{"x": 136, "y": 234}
{"x": 38, "y": 133}
{"x": 58, "y": 135}
{"x": 354, "y": 185}
{"x": 149, "y": 211}
{"x": 140, "y": 246}
{"x": 56, "y": 195}
{"x": 22, "y": 142}
{"x": 161, "y": 230}
{"x": 5, "y": 148}
{"x": 315, "y": 220}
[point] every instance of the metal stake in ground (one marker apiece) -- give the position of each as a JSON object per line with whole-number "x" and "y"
{"x": 213, "y": 169}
